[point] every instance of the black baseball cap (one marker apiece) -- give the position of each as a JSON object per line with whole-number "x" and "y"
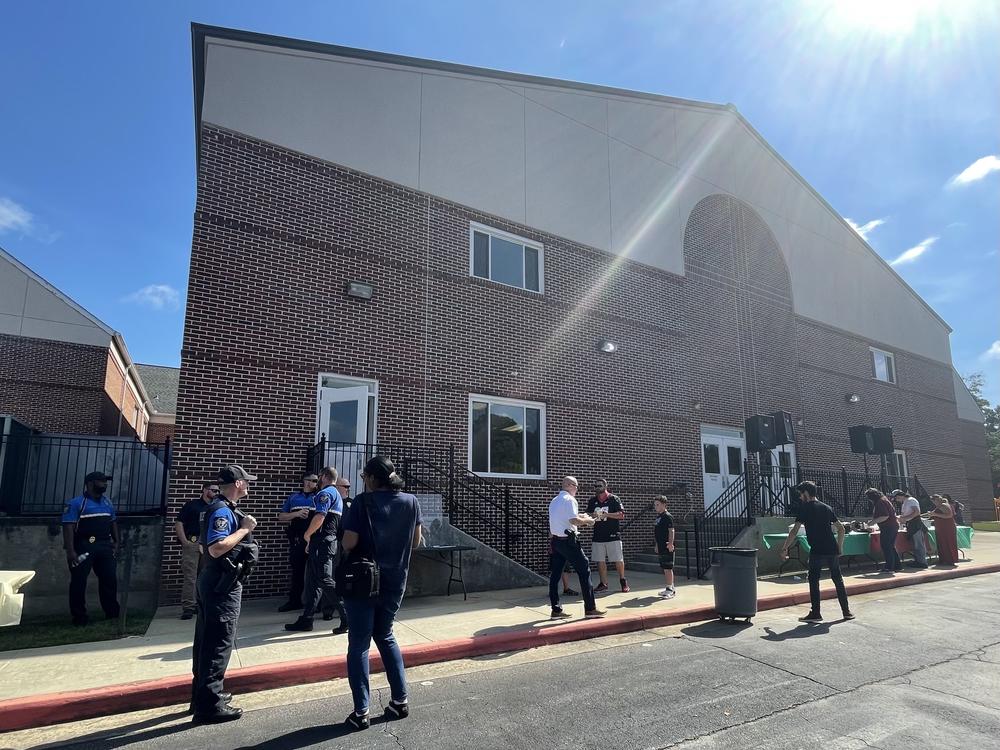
{"x": 232, "y": 473}
{"x": 97, "y": 476}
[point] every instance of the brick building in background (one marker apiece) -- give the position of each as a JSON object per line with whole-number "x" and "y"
{"x": 544, "y": 277}
{"x": 161, "y": 385}
{"x": 61, "y": 369}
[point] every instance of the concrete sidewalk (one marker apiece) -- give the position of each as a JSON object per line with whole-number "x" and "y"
{"x": 165, "y": 650}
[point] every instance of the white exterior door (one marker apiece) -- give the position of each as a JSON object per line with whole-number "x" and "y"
{"x": 722, "y": 454}
{"x": 343, "y": 418}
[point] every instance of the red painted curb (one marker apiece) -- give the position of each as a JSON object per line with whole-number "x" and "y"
{"x": 54, "y": 708}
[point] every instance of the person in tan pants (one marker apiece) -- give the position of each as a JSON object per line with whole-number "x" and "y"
{"x": 187, "y": 528}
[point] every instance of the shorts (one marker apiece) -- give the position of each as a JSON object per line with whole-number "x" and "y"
{"x": 666, "y": 561}
{"x": 612, "y": 551}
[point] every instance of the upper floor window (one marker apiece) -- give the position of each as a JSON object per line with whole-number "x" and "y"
{"x": 506, "y": 437}
{"x": 505, "y": 258}
{"x": 883, "y": 365}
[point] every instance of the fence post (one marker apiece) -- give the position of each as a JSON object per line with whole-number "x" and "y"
{"x": 506, "y": 519}
{"x": 166, "y": 476}
{"x": 843, "y": 486}
{"x": 451, "y": 481}
{"x": 697, "y": 547}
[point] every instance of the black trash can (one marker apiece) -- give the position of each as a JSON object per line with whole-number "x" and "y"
{"x": 734, "y": 579}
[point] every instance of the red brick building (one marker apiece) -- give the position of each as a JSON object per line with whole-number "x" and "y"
{"x": 62, "y": 370}
{"x": 545, "y": 277}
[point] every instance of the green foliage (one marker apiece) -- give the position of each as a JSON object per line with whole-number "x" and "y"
{"x": 991, "y": 421}
{"x": 57, "y": 630}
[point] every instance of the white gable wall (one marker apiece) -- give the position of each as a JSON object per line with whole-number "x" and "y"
{"x": 606, "y": 170}
{"x": 30, "y": 308}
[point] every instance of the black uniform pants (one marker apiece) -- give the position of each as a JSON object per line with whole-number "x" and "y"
{"x": 102, "y": 560}
{"x": 214, "y": 636}
{"x": 297, "y": 559}
{"x": 320, "y": 587}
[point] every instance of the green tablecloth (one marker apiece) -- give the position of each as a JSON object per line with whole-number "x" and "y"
{"x": 855, "y": 543}
{"x": 859, "y": 543}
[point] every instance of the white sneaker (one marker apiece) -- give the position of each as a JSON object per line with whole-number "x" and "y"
{"x": 668, "y": 594}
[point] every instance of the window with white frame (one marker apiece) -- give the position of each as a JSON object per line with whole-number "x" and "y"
{"x": 883, "y": 365}
{"x": 505, "y": 258}
{"x": 895, "y": 464}
{"x": 506, "y": 437}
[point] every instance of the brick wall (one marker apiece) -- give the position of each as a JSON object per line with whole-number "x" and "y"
{"x": 122, "y": 413}
{"x": 51, "y": 385}
{"x": 724, "y": 336}
{"x": 978, "y": 477}
{"x": 157, "y": 432}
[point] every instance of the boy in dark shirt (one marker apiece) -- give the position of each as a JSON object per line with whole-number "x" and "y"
{"x": 825, "y": 550}
{"x": 663, "y": 533}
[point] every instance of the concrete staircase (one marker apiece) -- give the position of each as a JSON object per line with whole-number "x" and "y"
{"x": 649, "y": 562}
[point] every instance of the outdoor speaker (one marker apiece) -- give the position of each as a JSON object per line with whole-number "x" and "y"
{"x": 784, "y": 432}
{"x": 862, "y": 438}
{"x": 882, "y": 438}
{"x": 760, "y": 433}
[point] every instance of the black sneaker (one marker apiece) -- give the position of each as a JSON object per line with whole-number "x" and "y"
{"x": 327, "y": 616}
{"x": 599, "y": 589}
{"x": 340, "y": 629}
{"x": 187, "y": 614}
{"x": 812, "y": 617}
{"x": 848, "y": 615}
{"x": 226, "y": 713}
{"x": 289, "y": 607}
{"x": 570, "y": 592}
{"x": 356, "y": 722}
{"x": 302, "y": 624}
{"x": 558, "y": 613}
{"x": 396, "y": 711}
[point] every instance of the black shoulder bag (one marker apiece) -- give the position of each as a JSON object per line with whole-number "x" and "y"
{"x": 357, "y": 575}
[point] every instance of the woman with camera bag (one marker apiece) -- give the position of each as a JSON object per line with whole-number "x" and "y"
{"x": 380, "y": 528}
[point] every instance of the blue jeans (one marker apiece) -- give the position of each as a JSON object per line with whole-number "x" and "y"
{"x": 567, "y": 549}
{"x": 887, "y": 539}
{"x": 367, "y": 620}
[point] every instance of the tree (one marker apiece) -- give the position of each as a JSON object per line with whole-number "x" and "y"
{"x": 991, "y": 422}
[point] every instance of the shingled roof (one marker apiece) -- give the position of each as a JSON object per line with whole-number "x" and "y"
{"x": 161, "y": 385}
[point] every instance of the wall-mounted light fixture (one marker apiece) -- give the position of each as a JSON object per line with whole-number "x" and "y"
{"x": 360, "y": 289}
{"x": 853, "y": 398}
{"x": 607, "y": 346}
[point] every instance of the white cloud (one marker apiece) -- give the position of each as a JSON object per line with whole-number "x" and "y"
{"x": 14, "y": 217}
{"x": 993, "y": 352}
{"x": 156, "y": 296}
{"x": 908, "y": 256}
{"x": 865, "y": 229}
{"x": 976, "y": 171}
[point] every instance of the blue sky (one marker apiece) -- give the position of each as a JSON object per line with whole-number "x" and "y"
{"x": 879, "y": 104}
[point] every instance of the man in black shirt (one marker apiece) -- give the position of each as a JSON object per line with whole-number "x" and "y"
{"x": 187, "y": 528}
{"x": 608, "y": 512}
{"x": 825, "y": 550}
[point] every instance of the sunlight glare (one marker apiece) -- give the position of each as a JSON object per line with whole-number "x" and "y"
{"x": 884, "y": 16}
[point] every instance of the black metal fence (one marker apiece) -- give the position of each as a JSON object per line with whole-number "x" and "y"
{"x": 40, "y": 472}
{"x": 482, "y": 509}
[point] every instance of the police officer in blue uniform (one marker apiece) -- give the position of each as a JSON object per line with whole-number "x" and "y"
{"x": 295, "y": 513}
{"x": 322, "y": 546}
{"x": 90, "y": 537}
{"x": 229, "y": 553}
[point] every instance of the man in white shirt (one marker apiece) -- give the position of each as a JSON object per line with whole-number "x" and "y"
{"x": 564, "y": 520}
{"x": 909, "y": 514}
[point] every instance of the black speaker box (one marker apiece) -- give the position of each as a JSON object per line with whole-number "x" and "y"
{"x": 882, "y": 438}
{"x": 760, "y": 433}
{"x": 862, "y": 438}
{"x": 784, "y": 431}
